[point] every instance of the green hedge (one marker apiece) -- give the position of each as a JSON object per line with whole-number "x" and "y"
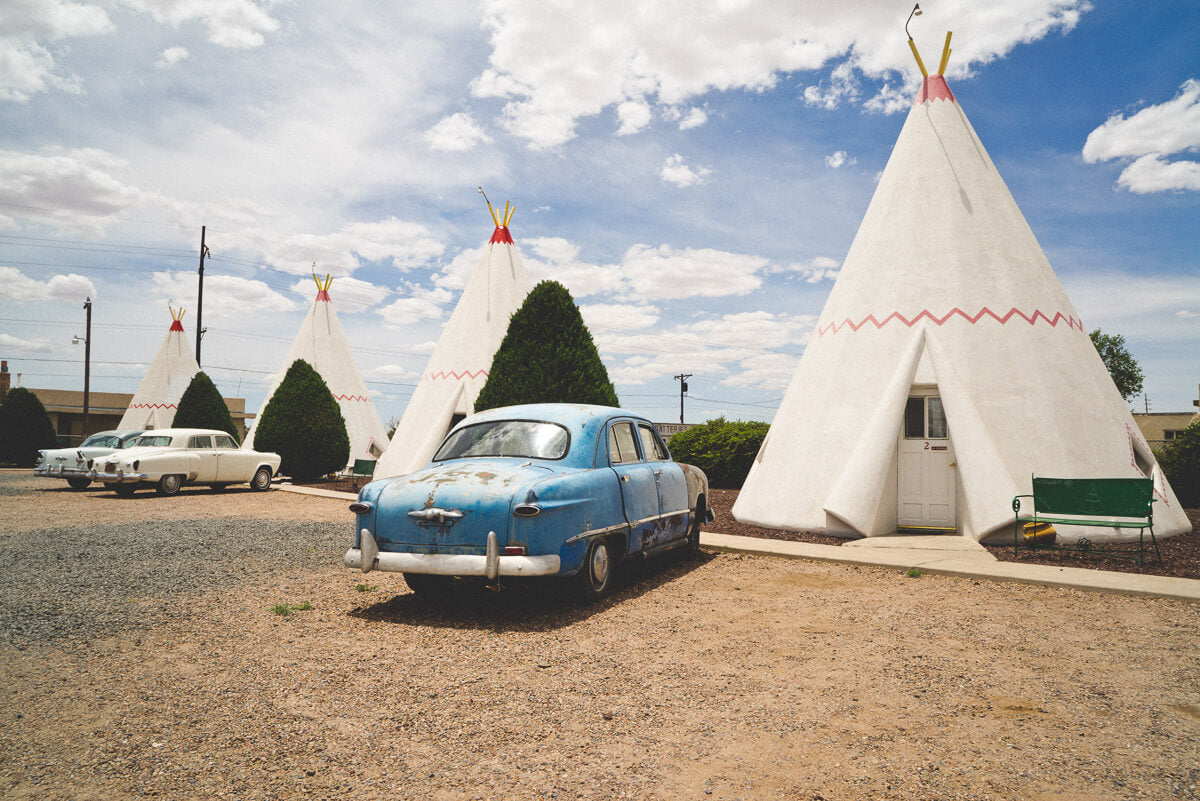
{"x": 1180, "y": 462}
{"x": 25, "y": 428}
{"x": 203, "y": 407}
{"x": 304, "y": 425}
{"x": 723, "y": 449}
{"x": 547, "y": 356}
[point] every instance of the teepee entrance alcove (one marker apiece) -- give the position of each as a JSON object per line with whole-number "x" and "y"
{"x": 926, "y": 485}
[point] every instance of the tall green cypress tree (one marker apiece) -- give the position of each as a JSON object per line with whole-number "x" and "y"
{"x": 25, "y": 428}
{"x": 303, "y": 424}
{"x": 547, "y": 356}
{"x": 203, "y": 407}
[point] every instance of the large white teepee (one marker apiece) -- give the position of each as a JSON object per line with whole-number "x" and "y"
{"x": 157, "y": 397}
{"x": 947, "y": 367}
{"x": 321, "y": 342}
{"x": 459, "y": 366}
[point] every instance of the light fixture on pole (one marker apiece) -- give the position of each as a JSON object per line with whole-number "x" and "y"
{"x": 916, "y": 12}
{"x": 86, "y": 339}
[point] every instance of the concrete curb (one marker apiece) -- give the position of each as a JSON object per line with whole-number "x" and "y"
{"x": 954, "y": 563}
{"x": 318, "y": 492}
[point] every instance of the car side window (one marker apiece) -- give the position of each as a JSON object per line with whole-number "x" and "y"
{"x": 225, "y": 441}
{"x": 200, "y": 442}
{"x": 621, "y": 446}
{"x": 651, "y": 445}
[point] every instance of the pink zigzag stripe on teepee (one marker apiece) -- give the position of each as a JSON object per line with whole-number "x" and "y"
{"x": 362, "y": 398}
{"x": 1133, "y": 462}
{"x": 153, "y": 406}
{"x": 457, "y": 375}
{"x": 870, "y": 318}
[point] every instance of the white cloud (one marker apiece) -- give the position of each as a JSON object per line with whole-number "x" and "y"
{"x": 239, "y": 24}
{"x": 404, "y": 245}
{"x": 1137, "y": 305}
{"x": 663, "y": 273}
{"x": 74, "y": 188}
{"x": 456, "y": 274}
{"x": 226, "y": 296}
{"x": 15, "y": 285}
{"x": 554, "y": 67}
{"x": 695, "y": 117}
{"x": 674, "y": 171}
{"x": 391, "y": 372}
{"x": 1187, "y": 314}
{"x": 406, "y": 311}
{"x": 821, "y": 268}
{"x": 11, "y": 345}
{"x": 618, "y": 316}
{"x": 456, "y": 133}
{"x": 27, "y": 66}
{"x": 1148, "y": 137}
{"x": 171, "y": 56}
{"x": 557, "y": 259}
{"x": 634, "y": 115}
{"x": 838, "y": 158}
{"x": 347, "y": 294}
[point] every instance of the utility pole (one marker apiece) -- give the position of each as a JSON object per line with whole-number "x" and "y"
{"x": 200, "y": 294}
{"x": 682, "y": 379}
{"x": 87, "y": 363}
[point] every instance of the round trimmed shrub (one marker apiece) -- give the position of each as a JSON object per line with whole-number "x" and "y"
{"x": 203, "y": 407}
{"x": 25, "y": 428}
{"x": 304, "y": 425}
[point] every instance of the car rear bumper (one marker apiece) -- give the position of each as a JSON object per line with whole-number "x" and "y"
{"x": 491, "y": 565}
{"x": 118, "y": 477}
{"x": 59, "y": 471}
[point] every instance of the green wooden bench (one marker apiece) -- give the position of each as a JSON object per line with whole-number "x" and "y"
{"x": 363, "y": 467}
{"x": 1107, "y": 502}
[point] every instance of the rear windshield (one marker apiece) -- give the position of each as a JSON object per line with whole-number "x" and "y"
{"x": 101, "y": 441}
{"x": 526, "y": 439}
{"x": 160, "y": 441}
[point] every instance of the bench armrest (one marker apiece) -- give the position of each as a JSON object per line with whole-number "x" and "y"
{"x": 1016, "y": 502}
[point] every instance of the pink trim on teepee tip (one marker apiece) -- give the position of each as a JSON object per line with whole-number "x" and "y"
{"x": 934, "y": 88}
{"x": 323, "y": 295}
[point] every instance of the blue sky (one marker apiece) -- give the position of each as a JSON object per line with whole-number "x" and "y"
{"x": 694, "y": 173}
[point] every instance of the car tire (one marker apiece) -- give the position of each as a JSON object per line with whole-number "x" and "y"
{"x": 262, "y": 480}
{"x": 429, "y": 586}
{"x": 78, "y": 483}
{"x": 125, "y": 490}
{"x": 599, "y": 566}
{"x": 169, "y": 484}
{"x": 698, "y": 515}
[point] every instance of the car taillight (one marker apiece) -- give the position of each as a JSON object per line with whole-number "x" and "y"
{"x": 527, "y": 510}
{"x": 360, "y": 507}
{"x": 514, "y": 550}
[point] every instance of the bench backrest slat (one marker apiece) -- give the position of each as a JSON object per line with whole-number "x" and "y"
{"x": 1100, "y": 497}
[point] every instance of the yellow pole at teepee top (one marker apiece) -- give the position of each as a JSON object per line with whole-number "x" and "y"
{"x": 945, "y": 54}
{"x": 917, "y": 56}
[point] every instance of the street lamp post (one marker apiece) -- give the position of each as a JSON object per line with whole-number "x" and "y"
{"x": 87, "y": 362}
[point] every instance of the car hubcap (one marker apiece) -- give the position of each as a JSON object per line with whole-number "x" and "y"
{"x": 599, "y": 565}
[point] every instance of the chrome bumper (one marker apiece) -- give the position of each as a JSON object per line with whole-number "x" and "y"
{"x": 491, "y": 565}
{"x": 119, "y": 477}
{"x": 59, "y": 471}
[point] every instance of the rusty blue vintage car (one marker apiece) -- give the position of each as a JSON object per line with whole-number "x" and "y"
{"x": 535, "y": 490}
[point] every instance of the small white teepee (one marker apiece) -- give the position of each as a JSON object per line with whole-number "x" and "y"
{"x": 459, "y": 366}
{"x": 321, "y": 342}
{"x": 157, "y": 397}
{"x": 947, "y": 367}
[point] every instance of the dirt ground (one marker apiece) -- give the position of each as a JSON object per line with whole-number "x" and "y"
{"x": 728, "y": 677}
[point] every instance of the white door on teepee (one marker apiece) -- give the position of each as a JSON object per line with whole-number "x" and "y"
{"x": 925, "y": 481}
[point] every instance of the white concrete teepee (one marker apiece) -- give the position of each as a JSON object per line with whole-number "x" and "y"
{"x": 947, "y": 367}
{"x": 157, "y": 397}
{"x": 459, "y": 366}
{"x": 321, "y": 342}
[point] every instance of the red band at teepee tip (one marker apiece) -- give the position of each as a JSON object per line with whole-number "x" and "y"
{"x": 176, "y": 326}
{"x": 934, "y": 88}
{"x": 501, "y": 236}
{"x": 323, "y": 295}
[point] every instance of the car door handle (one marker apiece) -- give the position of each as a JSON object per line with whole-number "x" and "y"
{"x": 657, "y": 473}
{"x": 625, "y": 478}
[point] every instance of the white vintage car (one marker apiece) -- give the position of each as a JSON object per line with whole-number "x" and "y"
{"x": 73, "y": 464}
{"x": 168, "y": 458}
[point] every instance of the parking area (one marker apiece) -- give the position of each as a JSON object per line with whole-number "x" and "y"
{"x": 142, "y": 653}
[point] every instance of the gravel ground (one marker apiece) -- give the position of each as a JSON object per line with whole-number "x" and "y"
{"x": 139, "y": 657}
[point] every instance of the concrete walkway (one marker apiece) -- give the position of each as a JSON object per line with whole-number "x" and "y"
{"x": 945, "y": 555}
